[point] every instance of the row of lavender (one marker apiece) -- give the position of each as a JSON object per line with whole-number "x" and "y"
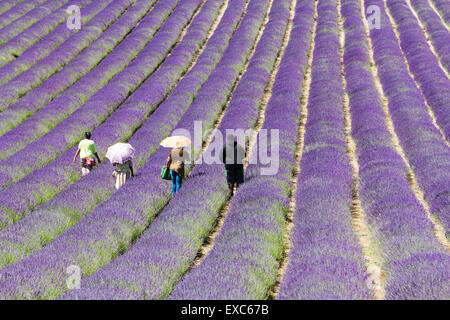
{"x": 157, "y": 260}
{"x": 124, "y": 220}
{"x": 18, "y": 10}
{"x": 21, "y": 85}
{"x": 116, "y": 53}
{"x": 413, "y": 259}
{"x": 244, "y": 261}
{"x": 423, "y": 63}
{"x": 14, "y": 28}
{"x": 325, "y": 260}
{"x": 444, "y": 9}
{"x": 8, "y": 4}
{"x": 47, "y": 44}
{"x": 32, "y": 232}
{"x": 44, "y": 183}
{"x": 439, "y": 35}
{"x": 16, "y": 46}
{"x": 427, "y": 153}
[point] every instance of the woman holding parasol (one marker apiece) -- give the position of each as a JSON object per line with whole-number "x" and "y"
{"x": 175, "y": 161}
{"x": 121, "y": 155}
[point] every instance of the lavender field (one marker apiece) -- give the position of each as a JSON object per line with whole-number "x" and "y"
{"x": 356, "y": 91}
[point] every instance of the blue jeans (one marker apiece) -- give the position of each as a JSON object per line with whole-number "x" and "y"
{"x": 176, "y": 181}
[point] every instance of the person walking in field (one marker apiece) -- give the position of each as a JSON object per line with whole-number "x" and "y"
{"x": 120, "y": 155}
{"x": 233, "y": 156}
{"x": 175, "y": 161}
{"x": 176, "y": 165}
{"x": 87, "y": 151}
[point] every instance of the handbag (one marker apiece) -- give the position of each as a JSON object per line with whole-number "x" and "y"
{"x": 90, "y": 162}
{"x": 165, "y": 173}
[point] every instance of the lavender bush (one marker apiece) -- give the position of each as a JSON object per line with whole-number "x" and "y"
{"x": 14, "y": 28}
{"x": 116, "y": 53}
{"x": 18, "y": 10}
{"x": 427, "y": 153}
{"x": 33, "y": 77}
{"x": 325, "y": 260}
{"x": 423, "y": 63}
{"x": 396, "y": 218}
{"x": 439, "y": 35}
{"x": 444, "y": 9}
{"x": 47, "y": 44}
{"x": 8, "y": 4}
{"x": 16, "y": 46}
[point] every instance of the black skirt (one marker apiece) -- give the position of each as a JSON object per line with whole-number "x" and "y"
{"x": 235, "y": 174}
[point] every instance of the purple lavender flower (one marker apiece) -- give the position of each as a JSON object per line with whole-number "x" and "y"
{"x": 18, "y": 10}
{"x": 440, "y": 37}
{"x": 50, "y": 114}
{"x": 14, "y": 28}
{"x": 434, "y": 83}
{"x": 30, "y": 56}
{"x": 16, "y": 46}
{"x": 394, "y": 215}
{"x": 8, "y": 4}
{"x": 424, "y": 147}
{"x": 444, "y": 9}
{"x": 37, "y": 74}
{"x": 325, "y": 260}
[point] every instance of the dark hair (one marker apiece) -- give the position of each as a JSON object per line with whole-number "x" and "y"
{"x": 87, "y": 135}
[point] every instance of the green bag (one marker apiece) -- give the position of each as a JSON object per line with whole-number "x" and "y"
{"x": 243, "y": 172}
{"x": 165, "y": 173}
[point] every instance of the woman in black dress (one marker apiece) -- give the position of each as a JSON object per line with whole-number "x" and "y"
{"x": 234, "y": 163}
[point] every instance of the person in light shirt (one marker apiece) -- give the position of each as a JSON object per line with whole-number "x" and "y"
{"x": 87, "y": 151}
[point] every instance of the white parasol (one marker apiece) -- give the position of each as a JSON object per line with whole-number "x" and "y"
{"x": 120, "y": 153}
{"x": 176, "y": 142}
